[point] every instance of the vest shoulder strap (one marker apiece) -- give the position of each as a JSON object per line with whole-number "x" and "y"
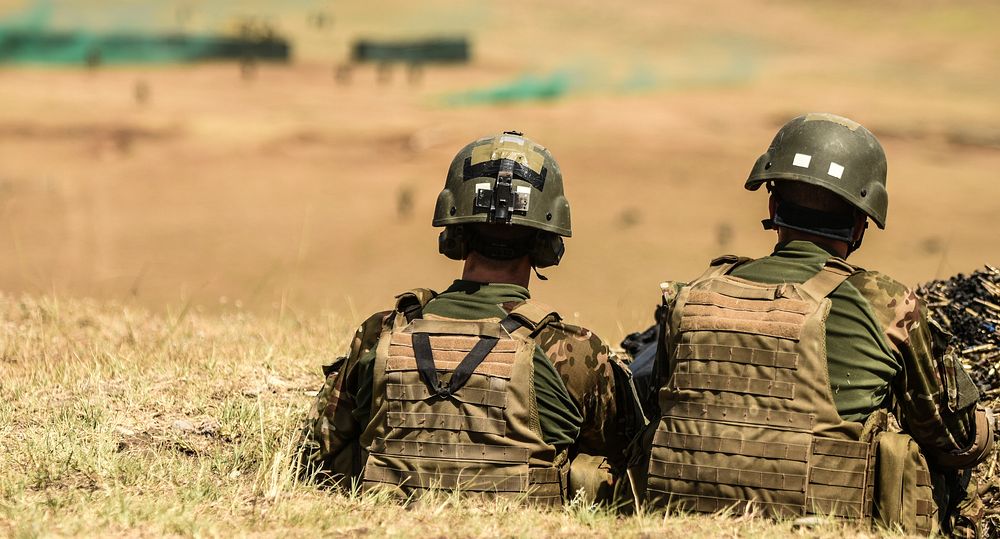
{"x": 534, "y": 315}
{"x": 722, "y": 266}
{"x": 410, "y": 304}
{"x": 834, "y": 272}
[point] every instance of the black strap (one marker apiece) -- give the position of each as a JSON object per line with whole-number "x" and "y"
{"x": 490, "y": 169}
{"x": 501, "y": 249}
{"x": 428, "y": 371}
{"x": 821, "y": 223}
{"x": 468, "y": 365}
{"x": 510, "y": 324}
{"x": 425, "y": 361}
{"x": 409, "y": 305}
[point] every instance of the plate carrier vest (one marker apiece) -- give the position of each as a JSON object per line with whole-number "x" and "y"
{"x": 454, "y": 408}
{"x": 747, "y": 415}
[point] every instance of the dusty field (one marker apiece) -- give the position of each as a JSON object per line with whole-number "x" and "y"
{"x": 283, "y": 192}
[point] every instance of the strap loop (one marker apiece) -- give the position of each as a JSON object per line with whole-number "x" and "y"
{"x": 821, "y": 285}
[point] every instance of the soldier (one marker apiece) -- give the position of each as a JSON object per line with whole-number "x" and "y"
{"x": 776, "y": 374}
{"x": 480, "y": 388}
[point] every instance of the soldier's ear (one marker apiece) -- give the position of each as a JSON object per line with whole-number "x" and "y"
{"x": 452, "y": 242}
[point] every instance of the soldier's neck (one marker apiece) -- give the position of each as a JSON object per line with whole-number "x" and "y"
{"x": 487, "y": 270}
{"x": 840, "y": 248}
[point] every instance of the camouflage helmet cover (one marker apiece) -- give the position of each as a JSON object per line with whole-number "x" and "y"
{"x": 504, "y": 179}
{"x": 831, "y": 152}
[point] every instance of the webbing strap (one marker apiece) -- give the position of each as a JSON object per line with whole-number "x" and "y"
{"x": 838, "y": 477}
{"x": 841, "y": 448}
{"x": 727, "y": 476}
{"x": 420, "y": 450}
{"x": 722, "y": 268}
{"x": 923, "y": 478}
{"x": 781, "y": 330}
{"x": 510, "y": 324}
{"x": 410, "y": 304}
{"x": 470, "y": 395}
{"x": 797, "y": 306}
{"x": 740, "y": 414}
{"x": 734, "y": 384}
{"x": 425, "y": 361}
{"x": 732, "y": 445}
{"x": 428, "y": 372}
{"x": 688, "y": 350}
{"x": 470, "y": 478}
{"x": 474, "y": 419}
{"x": 424, "y": 355}
{"x": 828, "y": 279}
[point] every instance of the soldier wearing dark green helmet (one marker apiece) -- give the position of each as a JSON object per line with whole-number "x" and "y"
{"x": 779, "y": 375}
{"x": 481, "y": 388}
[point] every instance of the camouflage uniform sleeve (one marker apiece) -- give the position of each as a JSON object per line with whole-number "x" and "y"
{"x": 600, "y": 385}
{"x": 330, "y": 434}
{"x": 931, "y": 400}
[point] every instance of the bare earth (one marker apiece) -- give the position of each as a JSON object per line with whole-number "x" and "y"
{"x": 284, "y": 190}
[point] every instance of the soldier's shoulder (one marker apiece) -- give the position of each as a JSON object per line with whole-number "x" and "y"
{"x": 562, "y": 338}
{"x": 895, "y": 304}
{"x": 553, "y": 333}
{"x": 561, "y": 327}
{"x": 576, "y": 352}
{"x": 879, "y": 288}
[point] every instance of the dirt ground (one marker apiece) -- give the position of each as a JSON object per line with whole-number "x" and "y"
{"x": 290, "y": 190}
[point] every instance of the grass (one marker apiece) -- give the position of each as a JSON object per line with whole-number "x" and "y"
{"x": 118, "y": 422}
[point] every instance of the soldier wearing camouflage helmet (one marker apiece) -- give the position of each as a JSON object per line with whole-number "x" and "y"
{"x": 778, "y": 375}
{"x": 479, "y": 388}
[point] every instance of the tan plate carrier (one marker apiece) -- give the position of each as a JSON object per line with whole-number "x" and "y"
{"x": 482, "y": 437}
{"x": 747, "y": 415}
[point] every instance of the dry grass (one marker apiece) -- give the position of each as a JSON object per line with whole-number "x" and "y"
{"x": 114, "y": 421}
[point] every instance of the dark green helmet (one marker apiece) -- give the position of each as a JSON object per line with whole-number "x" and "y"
{"x": 831, "y": 152}
{"x": 504, "y": 179}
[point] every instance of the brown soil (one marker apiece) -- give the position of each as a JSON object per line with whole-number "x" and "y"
{"x": 284, "y": 191}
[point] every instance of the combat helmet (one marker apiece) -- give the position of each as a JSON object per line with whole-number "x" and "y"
{"x": 831, "y": 152}
{"x": 505, "y": 179}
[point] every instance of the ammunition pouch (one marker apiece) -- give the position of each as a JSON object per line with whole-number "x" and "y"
{"x": 903, "y": 492}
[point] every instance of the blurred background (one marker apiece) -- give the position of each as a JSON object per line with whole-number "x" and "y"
{"x": 286, "y": 155}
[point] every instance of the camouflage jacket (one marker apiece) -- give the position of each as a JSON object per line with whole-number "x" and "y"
{"x": 598, "y": 383}
{"x": 934, "y": 398}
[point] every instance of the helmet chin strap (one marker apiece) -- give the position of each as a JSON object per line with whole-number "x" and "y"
{"x": 818, "y": 223}
{"x": 539, "y": 275}
{"x": 855, "y": 245}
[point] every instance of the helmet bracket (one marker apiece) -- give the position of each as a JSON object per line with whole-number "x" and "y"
{"x": 502, "y": 193}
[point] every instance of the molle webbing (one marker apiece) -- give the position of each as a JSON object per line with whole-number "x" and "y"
{"x": 542, "y": 485}
{"x": 428, "y": 371}
{"x": 455, "y": 410}
{"x": 747, "y": 414}
{"x": 477, "y": 405}
{"x": 733, "y": 446}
